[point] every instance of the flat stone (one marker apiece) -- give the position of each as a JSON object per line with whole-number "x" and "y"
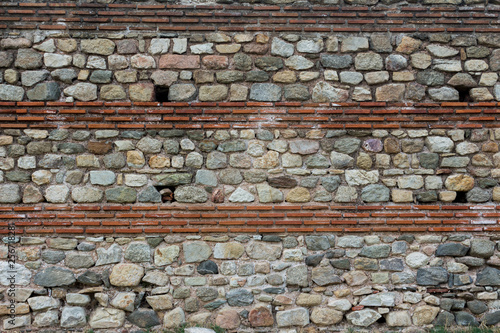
{"x": 98, "y": 46}
{"x": 431, "y": 276}
{"x": 265, "y": 92}
{"x": 324, "y": 92}
{"x": 107, "y": 318}
{"x": 363, "y": 318}
{"x": 126, "y": 275}
{"x": 54, "y": 277}
{"x": 294, "y": 317}
{"x": 336, "y": 61}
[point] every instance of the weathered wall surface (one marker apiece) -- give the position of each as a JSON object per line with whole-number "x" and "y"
{"x": 264, "y": 167}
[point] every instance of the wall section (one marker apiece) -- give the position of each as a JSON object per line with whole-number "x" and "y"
{"x": 271, "y": 167}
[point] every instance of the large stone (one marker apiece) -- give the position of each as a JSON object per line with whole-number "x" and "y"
{"x": 142, "y": 92}
{"x": 98, "y": 46}
{"x": 54, "y": 277}
{"x": 265, "y": 92}
{"x": 111, "y": 255}
{"x": 10, "y": 194}
{"x": 336, "y": 61}
{"x": 482, "y": 248}
{"x": 390, "y": 93}
{"x": 281, "y": 48}
{"x": 324, "y": 276}
{"x": 431, "y": 276}
{"x": 264, "y": 251}
{"x": 107, "y": 318}
{"x": 144, "y": 318}
{"x": 424, "y": 315}
{"x": 363, "y": 318}
{"x": 239, "y": 297}
{"x": 462, "y": 183}
{"x": 439, "y": 144}
{"x": 121, "y": 194}
{"x": 324, "y": 92}
{"x": 166, "y": 255}
{"x": 489, "y": 276}
{"x": 11, "y": 93}
{"x": 190, "y": 194}
{"x": 294, "y": 317}
{"x": 376, "y": 251}
{"x": 368, "y": 61}
{"x": 260, "y": 316}
{"x": 375, "y": 193}
{"x": 444, "y": 94}
{"x": 213, "y": 93}
{"x": 298, "y": 194}
{"x": 196, "y": 251}
{"x": 73, "y": 316}
{"x": 385, "y": 299}
{"x": 28, "y": 59}
{"x": 126, "y": 275}
{"x": 82, "y": 91}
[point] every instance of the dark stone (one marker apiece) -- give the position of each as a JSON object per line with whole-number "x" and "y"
{"x": 207, "y": 146}
{"x": 430, "y": 78}
{"x": 458, "y": 304}
{"x": 154, "y": 241}
{"x": 407, "y": 238}
{"x": 314, "y": 259}
{"x": 208, "y": 267}
{"x": 271, "y": 239}
{"x": 460, "y": 280}
{"x": 477, "y": 307}
{"x": 444, "y": 319}
{"x": 376, "y": 251}
{"x": 215, "y": 304}
{"x": 282, "y": 182}
{"x": 70, "y": 148}
{"x": 232, "y": 146}
{"x": 478, "y": 195}
{"x": 427, "y": 196}
{"x": 431, "y": 276}
{"x": 54, "y": 277}
{"x": 274, "y": 290}
{"x": 489, "y": 276}
{"x": 463, "y": 318}
{"x": 452, "y": 250}
{"x": 172, "y": 133}
{"x": 330, "y": 183}
{"x": 136, "y": 135}
{"x": 196, "y": 135}
{"x": 99, "y": 148}
{"x": 239, "y": 297}
{"x": 297, "y": 92}
{"x": 265, "y": 135}
{"x": 90, "y": 278}
{"x": 269, "y": 63}
{"x": 394, "y": 265}
{"x": 341, "y": 264}
{"x": 257, "y": 76}
{"x": 144, "y": 318}
{"x": 242, "y": 62}
{"x": 429, "y": 160}
{"x": 491, "y": 318}
{"x": 18, "y": 176}
{"x": 487, "y": 182}
{"x": 317, "y": 243}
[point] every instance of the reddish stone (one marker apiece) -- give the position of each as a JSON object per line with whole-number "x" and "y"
{"x": 179, "y": 61}
{"x": 99, "y": 148}
{"x": 358, "y": 307}
{"x": 218, "y": 196}
{"x": 228, "y": 319}
{"x": 373, "y": 145}
{"x": 261, "y": 316}
{"x": 127, "y": 46}
{"x": 215, "y": 62}
{"x": 490, "y": 147}
{"x": 282, "y": 300}
{"x": 256, "y": 48}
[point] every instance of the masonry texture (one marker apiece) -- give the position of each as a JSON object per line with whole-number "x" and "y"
{"x": 284, "y": 166}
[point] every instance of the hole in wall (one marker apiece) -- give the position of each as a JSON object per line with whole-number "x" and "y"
{"x": 463, "y": 95}
{"x": 461, "y": 197}
{"x": 161, "y": 94}
{"x": 167, "y": 193}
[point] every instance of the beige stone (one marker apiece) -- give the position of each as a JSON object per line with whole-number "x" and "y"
{"x": 159, "y": 162}
{"x": 298, "y": 194}
{"x": 228, "y": 319}
{"x": 112, "y": 92}
{"x": 408, "y": 45}
{"x": 128, "y": 76}
{"x": 402, "y": 195}
{"x": 447, "y": 196}
{"x": 285, "y": 77}
{"x": 228, "y": 48}
{"x": 459, "y": 183}
{"x": 141, "y": 92}
{"x": 160, "y": 302}
{"x": 326, "y": 316}
{"x": 67, "y": 45}
{"x": 268, "y": 161}
{"x": 135, "y": 158}
{"x": 308, "y": 300}
{"x": 424, "y": 315}
{"x": 126, "y": 275}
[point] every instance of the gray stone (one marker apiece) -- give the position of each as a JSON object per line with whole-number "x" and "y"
{"x": 54, "y": 277}
{"x": 386, "y": 299}
{"x": 444, "y": 94}
{"x": 363, "y": 318}
{"x": 102, "y": 177}
{"x": 264, "y": 251}
{"x": 336, "y": 61}
{"x": 482, "y": 248}
{"x": 190, "y": 194}
{"x": 298, "y": 63}
{"x": 216, "y": 160}
{"x": 206, "y": 177}
{"x": 375, "y": 193}
{"x": 431, "y": 276}
{"x": 111, "y": 255}
{"x": 181, "y": 92}
{"x": 330, "y": 183}
{"x": 11, "y": 93}
{"x": 28, "y": 59}
{"x": 75, "y": 259}
{"x": 478, "y": 194}
{"x": 297, "y": 276}
{"x": 73, "y": 316}
{"x": 82, "y": 91}
{"x": 121, "y": 194}
{"x": 52, "y": 256}
{"x": 265, "y": 92}
{"x": 297, "y": 92}
{"x": 477, "y": 307}
{"x": 430, "y": 78}
{"x": 347, "y": 145}
{"x": 368, "y": 61}
{"x": 395, "y": 62}
{"x": 269, "y": 63}
{"x": 138, "y": 252}
{"x": 489, "y": 319}
{"x": 294, "y": 317}
{"x": 240, "y": 195}
{"x": 10, "y": 193}
{"x": 463, "y": 318}
{"x": 239, "y": 297}
{"x": 452, "y": 250}
{"x": 324, "y": 92}
{"x": 324, "y": 276}
{"x": 30, "y": 78}
{"x": 114, "y": 161}
{"x": 462, "y": 80}
{"x": 281, "y": 48}
{"x": 489, "y": 276}
{"x": 144, "y": 318}
{"x": 229, "y": 76}
{"x": 439, "y": 144}
{"x": 266, "y": 193}
{"x": 352, "y": 78}
{"x": 173, "y": 179}
{"x": 318, "y": 243}
{"x": 376, "y": 251}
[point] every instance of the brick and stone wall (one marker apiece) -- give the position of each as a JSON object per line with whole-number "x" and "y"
{"x": 277, "y": 167}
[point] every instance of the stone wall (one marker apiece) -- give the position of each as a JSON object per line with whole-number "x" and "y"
{"x": 255, "y": 283}
{"x": 280, "y": 167}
